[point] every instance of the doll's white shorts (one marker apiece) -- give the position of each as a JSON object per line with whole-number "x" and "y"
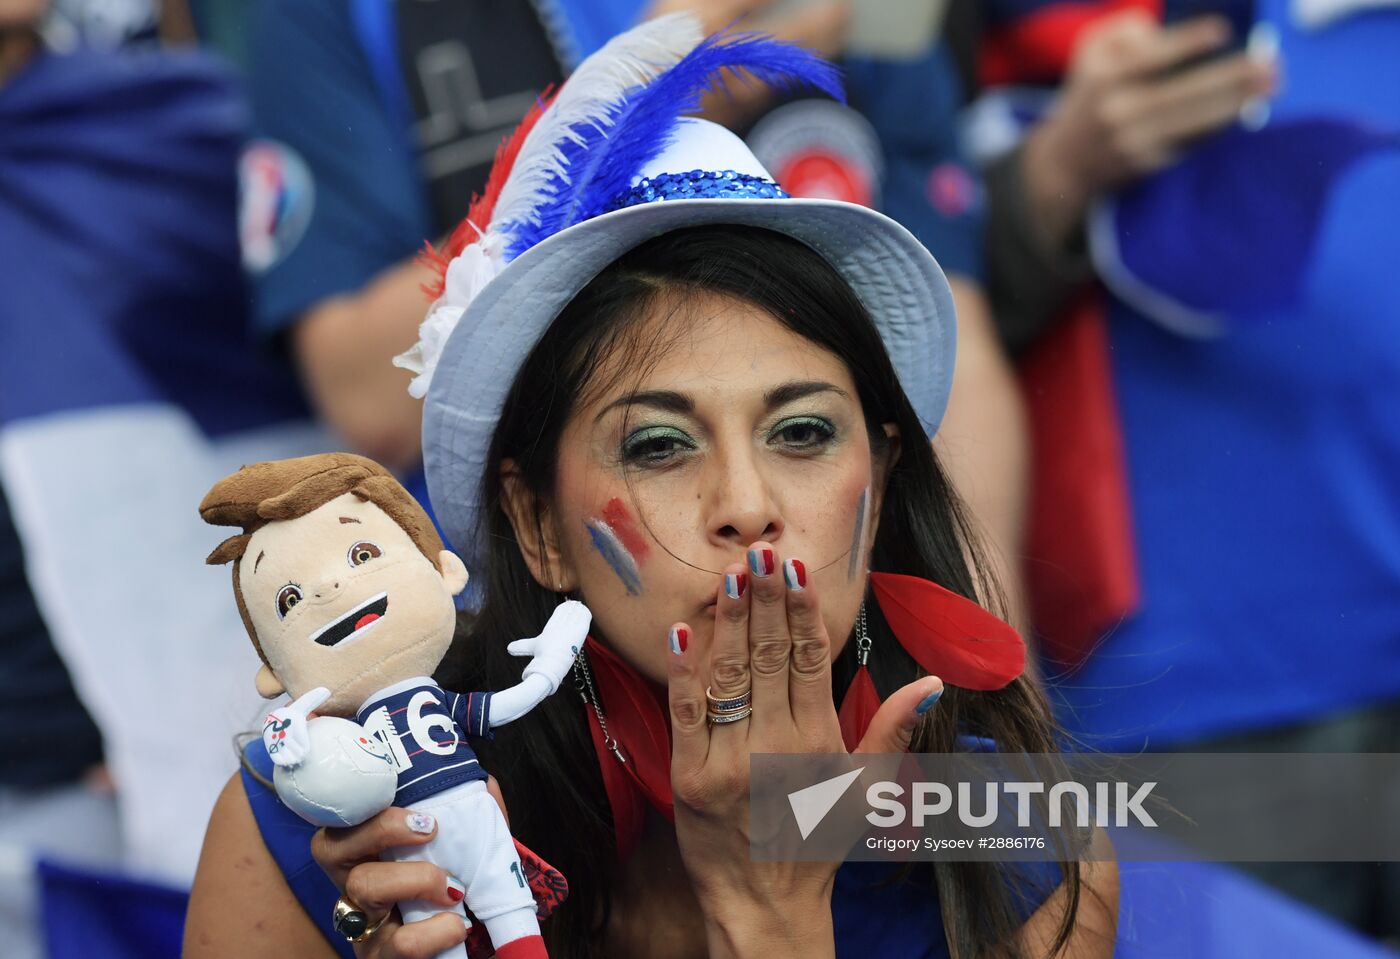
{"x": 474, "y": 844}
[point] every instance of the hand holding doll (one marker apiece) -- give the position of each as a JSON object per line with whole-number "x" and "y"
{"x": 347, "y": 593}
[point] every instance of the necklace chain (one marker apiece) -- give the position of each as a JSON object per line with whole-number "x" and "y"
{"x": 583, "y": 682}
{"x": 862, "y": 638}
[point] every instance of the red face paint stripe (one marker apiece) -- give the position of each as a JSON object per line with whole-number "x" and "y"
{"x": 617, "y": 517}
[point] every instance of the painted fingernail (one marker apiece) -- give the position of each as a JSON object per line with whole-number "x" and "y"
{"x": 761, "y": 561}
{"x": 456, "y": 891}
{"x": 421, "y": 823}
{"x": 928, "y": 702}
{"x": 735, "y": 584}
{"x": 795, "y": 573}
{"x": 680, "y": 636}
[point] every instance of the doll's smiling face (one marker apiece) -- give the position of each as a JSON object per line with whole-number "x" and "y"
{"x": 341, "y": 597}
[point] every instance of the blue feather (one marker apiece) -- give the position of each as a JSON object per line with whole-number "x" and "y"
{"x": 600, "y": 160}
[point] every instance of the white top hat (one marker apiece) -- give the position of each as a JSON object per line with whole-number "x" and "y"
{"x": 502, "y": 292}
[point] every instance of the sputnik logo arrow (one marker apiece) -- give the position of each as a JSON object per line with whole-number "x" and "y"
{"x": 810, "y": 805}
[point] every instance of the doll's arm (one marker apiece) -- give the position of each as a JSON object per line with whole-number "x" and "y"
{"x": 508, "y": 705}
{"x": 551, "y": 655}
{"x": 479, "y": 713}
{"x": 552, "y": 652}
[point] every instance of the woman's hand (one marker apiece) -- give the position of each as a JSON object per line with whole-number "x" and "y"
{"x": 770, "y": 637}
{"x": 350, "y": 857}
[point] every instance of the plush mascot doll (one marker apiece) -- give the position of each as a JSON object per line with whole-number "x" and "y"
{"x": 346, "y": 590}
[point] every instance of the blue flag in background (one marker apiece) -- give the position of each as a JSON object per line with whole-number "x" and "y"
{"x": 129, "y": 384}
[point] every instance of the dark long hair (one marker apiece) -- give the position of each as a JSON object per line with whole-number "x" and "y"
{"x": 545, "y": 762}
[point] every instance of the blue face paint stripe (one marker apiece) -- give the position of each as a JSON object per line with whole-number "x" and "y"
{"x": 607, "y": 544}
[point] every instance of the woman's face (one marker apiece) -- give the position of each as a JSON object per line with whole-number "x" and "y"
{"x": 741, "y": 431}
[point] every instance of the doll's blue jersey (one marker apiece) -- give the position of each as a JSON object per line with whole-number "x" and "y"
{"x": 425, "y": 730}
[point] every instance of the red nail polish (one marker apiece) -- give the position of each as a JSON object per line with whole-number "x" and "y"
{"x": 796, "y": 574}
{"x": 743, "y": 583}
{"x": 455, "y": 890}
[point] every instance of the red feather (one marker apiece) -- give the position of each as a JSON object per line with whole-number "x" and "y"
{"x": 858, "y": 708}
{"x": 483, "y": 205}
{"x": 949, "y": 635}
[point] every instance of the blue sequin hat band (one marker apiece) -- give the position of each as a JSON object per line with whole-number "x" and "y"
{"x": 699, "y": 185}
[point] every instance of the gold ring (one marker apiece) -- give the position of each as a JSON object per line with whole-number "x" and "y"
{"x": 729, "y": 704}
{"x": 351, "y": 922}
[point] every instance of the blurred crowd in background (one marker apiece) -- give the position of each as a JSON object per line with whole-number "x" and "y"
{"x": 1176, "y": 413}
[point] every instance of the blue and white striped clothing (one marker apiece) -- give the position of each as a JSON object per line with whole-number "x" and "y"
{"x": 422, "y": 726}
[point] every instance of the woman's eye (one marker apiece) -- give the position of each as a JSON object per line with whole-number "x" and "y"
{"x": 287, "y": 597}
{"x": 805, "y": 432}
{"x": 654, "y": 445}
{"x": 362, "y": 552}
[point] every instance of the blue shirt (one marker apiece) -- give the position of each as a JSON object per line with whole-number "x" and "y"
{"x": 1264, "y": 462}
{"x": 425, "y": 729}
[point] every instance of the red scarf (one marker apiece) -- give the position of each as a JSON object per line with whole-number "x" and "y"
{"x": 948, "y": 635}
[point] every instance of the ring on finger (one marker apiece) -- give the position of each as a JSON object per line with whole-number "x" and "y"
{"x": 719, "y": 719}
{"x": 728, "y": 704}
{"x": 350, "y": 921}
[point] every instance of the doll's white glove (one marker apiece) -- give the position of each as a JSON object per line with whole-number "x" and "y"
{"x": 556, "y": 647}
{"x": 284, "y": 730}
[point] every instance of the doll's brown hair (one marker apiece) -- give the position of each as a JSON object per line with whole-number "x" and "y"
{"x": 285, "y": 489}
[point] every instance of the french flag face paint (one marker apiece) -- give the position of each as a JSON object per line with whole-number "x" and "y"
{"x": 619, "y": 520}
{"x": 607, "y": 544}
{"x": 617, "y": 540}
{"x": 858, "y": 534}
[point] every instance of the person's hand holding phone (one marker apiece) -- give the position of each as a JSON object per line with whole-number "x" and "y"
{"x": 1137, "y": 93}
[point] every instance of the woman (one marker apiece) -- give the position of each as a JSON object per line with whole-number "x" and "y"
{"x": 657, "y": 385}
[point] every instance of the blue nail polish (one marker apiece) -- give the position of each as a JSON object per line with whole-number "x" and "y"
{"x": 928, "y": 702}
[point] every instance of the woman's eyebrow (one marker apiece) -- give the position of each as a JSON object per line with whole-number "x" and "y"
{"x": 788, "y": 392}
{"x": 674, "y": 402}
{"x": 661, "y": 399}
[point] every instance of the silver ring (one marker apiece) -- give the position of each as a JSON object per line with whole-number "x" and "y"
{"x": 719, "y": 719}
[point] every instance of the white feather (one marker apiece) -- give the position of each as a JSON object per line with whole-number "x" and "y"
{"x": 629, "y": 59}
{"x": 467, "y": 275}
{"x": 626, "y": 61}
